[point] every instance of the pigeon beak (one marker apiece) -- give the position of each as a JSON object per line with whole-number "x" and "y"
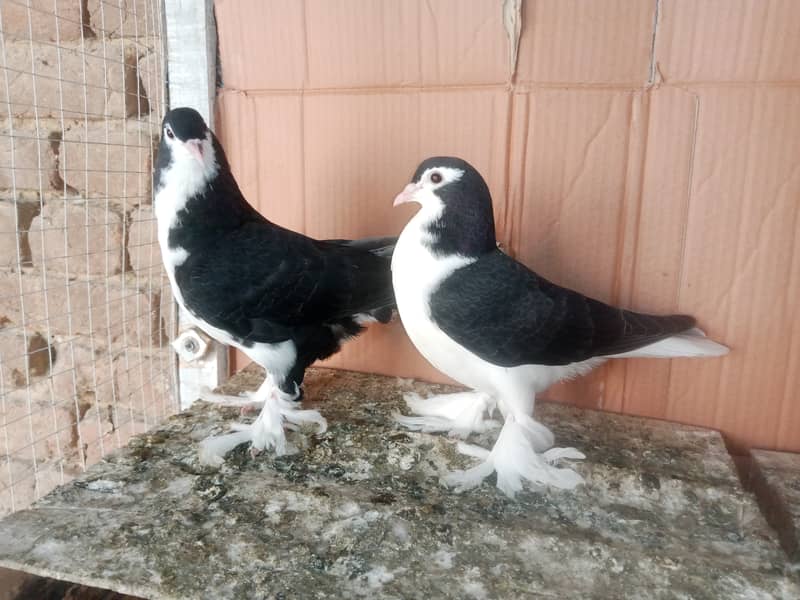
{"x": 407, "y": 195}
{"x": 195, "y": 148}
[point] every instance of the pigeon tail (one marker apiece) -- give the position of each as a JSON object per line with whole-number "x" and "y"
{"x": 380, "y": 246}
{"x": 691, "y": 343}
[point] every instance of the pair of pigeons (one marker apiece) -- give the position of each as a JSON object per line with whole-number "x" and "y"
{"x": 477, "y": 315}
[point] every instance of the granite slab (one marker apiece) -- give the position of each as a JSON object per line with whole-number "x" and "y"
{"x": 360, "y": 512}
{"x": 776, "y": 481}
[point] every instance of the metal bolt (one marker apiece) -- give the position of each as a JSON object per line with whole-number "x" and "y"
{"x": 190, "y": 345}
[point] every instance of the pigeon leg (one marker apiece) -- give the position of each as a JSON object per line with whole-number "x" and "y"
{"x": 213, "y": 449}
{"x": 267, "y": 431}
{"x": 280, "y": 412}
{"x": 458, "y": 414}
{"x": 515, "y": 459}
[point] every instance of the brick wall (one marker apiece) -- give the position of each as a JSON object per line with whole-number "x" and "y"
{"x": 85, "y": 308}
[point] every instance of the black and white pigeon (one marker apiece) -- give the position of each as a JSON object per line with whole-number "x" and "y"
{"x": 497, "y": 327}
{"x": 282, "y": 298}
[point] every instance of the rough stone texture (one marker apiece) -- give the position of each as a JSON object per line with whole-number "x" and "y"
{"x": 113, "y": 311}
{"x": 15, "y": 220}
{"x": 142, "y": 390}
{"x": 85, "y": 91}
{"x": 29, "y": 431}
{"x": 121, "y": 18}
{"x": 102, "y": 160}
{"x": 360, "y": 512}
{"x": 94, "y": 238}
{"x": 33, "y": 357}
{"x": 69, "y": 401}
{"x": 30, "y": 153}
{"x": 143, "y": 247}
{"x": 775, "y": 478}
{"x": 42, "y": 417}
{"x": 129, "y": 310}
{"x": 29, "y": 484}
{"x": 150, "y": 70}
{"x": 108, "y": 161}
{"x": 98, "y": 18}
{"x": 120, "y": 386}
{"x": 34, "y": 19}
{"x": 101, "y": 80}
{"x": 91, "y": 403}
{"x": 138, "y": 399}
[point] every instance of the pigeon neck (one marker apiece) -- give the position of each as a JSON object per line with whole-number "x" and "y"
{"x": 219, "y": 208}
{"x": 468, "y": 233}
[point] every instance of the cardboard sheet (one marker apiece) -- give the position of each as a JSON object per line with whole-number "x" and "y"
{"x": 646, "y": 153}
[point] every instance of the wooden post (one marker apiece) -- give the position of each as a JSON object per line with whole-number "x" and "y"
{"x": 191, "y": 40}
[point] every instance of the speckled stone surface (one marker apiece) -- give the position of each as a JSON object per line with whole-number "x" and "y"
{"x": 359, "y": 512}
{"x": 776, "y": 482}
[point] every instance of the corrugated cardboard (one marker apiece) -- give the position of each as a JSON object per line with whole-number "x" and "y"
{"x": 646, "y": 153}
{"x": 729, "y": 41}
{"x": 580, "y": 43}
{"x": 319, "y": 44}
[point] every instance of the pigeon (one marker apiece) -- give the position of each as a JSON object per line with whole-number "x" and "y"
{"x": 284, "y": 299}
{"x": 503, "y": 331}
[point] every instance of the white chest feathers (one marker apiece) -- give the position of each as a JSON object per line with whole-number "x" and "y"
{"x": 168, "y": 202}
{"x": 416, "y": 274}
{"x": 184, "y": 177}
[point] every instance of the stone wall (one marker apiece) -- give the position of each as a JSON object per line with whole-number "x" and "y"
{"x": 85, "y": 309}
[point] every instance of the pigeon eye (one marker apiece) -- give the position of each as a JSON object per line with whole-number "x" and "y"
{"x": 170, "y": 135}
{"x": 436, "y": 177}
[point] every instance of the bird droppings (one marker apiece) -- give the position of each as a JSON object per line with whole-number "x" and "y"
{"x": 348, "y": 509}
{"x": 444, "y": 559}
{"x": 103, "y": 485}
{"x": 662, "y": 513}
{"x": 475, "y": 589}
{"x": 377, "y": 576}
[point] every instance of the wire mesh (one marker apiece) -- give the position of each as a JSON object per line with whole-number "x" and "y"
{"x": 85, "y": 308}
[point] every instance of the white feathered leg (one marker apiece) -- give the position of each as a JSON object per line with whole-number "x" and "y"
{"x": 458, "y": 414}
{"x": 523, "y": 451}
{"x": 514, "y": 459}
{"x": 279, "y": 411}
{"x": 267, "y": 431}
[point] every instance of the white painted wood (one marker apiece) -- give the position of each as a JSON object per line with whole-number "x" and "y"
{"x": 191, "y": 69}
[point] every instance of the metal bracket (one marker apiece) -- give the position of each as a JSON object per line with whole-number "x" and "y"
{"x": 192, "y": 344}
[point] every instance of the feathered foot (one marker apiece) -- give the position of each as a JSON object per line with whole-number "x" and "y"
{"x": 515, "y": 459}
{"x": 213, "y": 449}
{"x": 458, "y": 414}
{"x": 267, "y": 431}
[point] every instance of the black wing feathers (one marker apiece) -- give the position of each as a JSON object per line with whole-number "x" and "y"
{"x": 509, "y": 316}
{"x": 377, "y": 245}
{"x": 261, "y": 282}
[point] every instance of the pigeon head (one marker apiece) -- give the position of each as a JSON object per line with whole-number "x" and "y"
{"x": 456, "y": 206}
{"x": 187, "y": 150}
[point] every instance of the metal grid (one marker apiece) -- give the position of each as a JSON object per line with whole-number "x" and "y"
{"x": 85, "y": 309}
